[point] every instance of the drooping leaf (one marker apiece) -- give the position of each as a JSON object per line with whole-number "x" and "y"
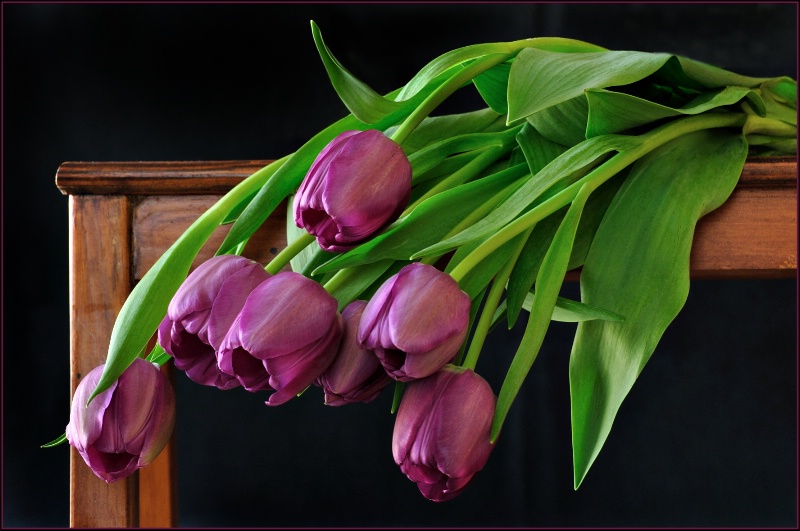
{"x": 548, "y": 283}
{"x": 638, "y": 266}
{"x": 363, "y": 102}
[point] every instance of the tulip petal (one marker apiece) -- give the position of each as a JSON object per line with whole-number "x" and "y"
{"x": 200, "y": 288}
{"x": 230, "y": 299}
{"x": 291, "y": 373}
{"x": 86, "y": 422}
{"x": 428, "y": 308}
{"x": 284, "y": 314}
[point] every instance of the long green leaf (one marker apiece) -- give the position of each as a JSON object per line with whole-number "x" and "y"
{"x": 548, "y": 284}
{"x": 638, "y": 266}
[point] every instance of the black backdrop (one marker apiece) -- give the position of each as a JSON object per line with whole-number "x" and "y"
{"x": 707, "y": 437}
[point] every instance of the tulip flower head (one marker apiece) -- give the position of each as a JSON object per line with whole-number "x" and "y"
{"x": 359, "y": 183}
{"x": 126, "y": 426}
{"x": 355, "y": 375}
{"x": 285, "y": 335}
{"x": 441, "y": 434}
{"x": 202, "y": 311}
{"x": 415, "y": 322}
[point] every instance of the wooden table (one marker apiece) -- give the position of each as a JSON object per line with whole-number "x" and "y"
{"x": 124, "y": 215}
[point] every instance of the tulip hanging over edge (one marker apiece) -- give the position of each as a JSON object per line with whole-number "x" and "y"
{"x": 126, "y": 426}
{"x": 289, "y": 329}
{"x": 200, "y": 314}
{"x": 356, "y": 374}
{"x": 442, "y": 431}
{"x": 415, "y": 322}
{"x": 360, "y": 182}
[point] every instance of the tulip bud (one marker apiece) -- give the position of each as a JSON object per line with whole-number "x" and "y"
{"x": 355, "y": 375}
{"x": 442, "y": 430}
{"x": 202, "y": 311}
{"x": 415, "y": 322}
{"x": 126, "y": 426}
{"x": 360, "y": 182}
{"x": 287, "y": 332}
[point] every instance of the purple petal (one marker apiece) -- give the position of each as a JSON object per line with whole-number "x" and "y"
{"x": 284, "y": 314}
{"x": 86, "y": 422}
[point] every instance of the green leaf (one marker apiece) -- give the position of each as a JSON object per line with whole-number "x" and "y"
{"x": 540, "y": 79}
{"x": 564, "y": 123}
{"x": 492, "y": 85}
{"x": 576, "y": 159}
{"x": 714, "y": 77}
{"x": 147, "y": 303}
{"x": 365, "y": 104}
{"x": 293, "y": 232}
{"x": 638, "y": 266}
{"x": 435, "y": 128}
{"x": 548, "y": 284}
{"x": 538, "y": 151}
{"x": 614, "y": 112}
{"x": 468, "y": 53}
{"x": 435, "y": 153}
{"x": 55, "y": 442}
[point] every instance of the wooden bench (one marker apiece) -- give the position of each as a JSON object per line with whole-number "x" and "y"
{"x": 124, "y": 215}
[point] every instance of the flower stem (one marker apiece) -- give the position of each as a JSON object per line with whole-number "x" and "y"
{"x": 492, "y": 300}
{"x": 650, "y": 141}
{"x": 341, "y": 276}
{"x": 444, "y": 90}
{"x": 289, "y": 252}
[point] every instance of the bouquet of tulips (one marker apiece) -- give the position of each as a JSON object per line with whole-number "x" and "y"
{"x": 411, "y": 236}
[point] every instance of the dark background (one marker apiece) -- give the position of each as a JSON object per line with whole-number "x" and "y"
{"x": 707, "y": 437}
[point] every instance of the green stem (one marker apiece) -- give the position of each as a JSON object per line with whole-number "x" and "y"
{"x": 289, "y": 252}
{"x": 341, "y": 276}
{"x": 443, "y": 91}
{"x": 492, "y": 300}
{"x": 598, "y": 176}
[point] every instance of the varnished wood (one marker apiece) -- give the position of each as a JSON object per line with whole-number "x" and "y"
{"x": 217, "y": 177}
{"x": 99, "y": 285}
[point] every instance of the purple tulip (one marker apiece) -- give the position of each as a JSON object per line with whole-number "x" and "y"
{"x": 202, "y": 311}
{"x": 356, "y": 375}
{"x": 126, "y": 426}
{"x": 441, "y": 433}
{"x": 415, "y": 322}
{"x": 286, "y": 334}
{"x": 359, "y": 183}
